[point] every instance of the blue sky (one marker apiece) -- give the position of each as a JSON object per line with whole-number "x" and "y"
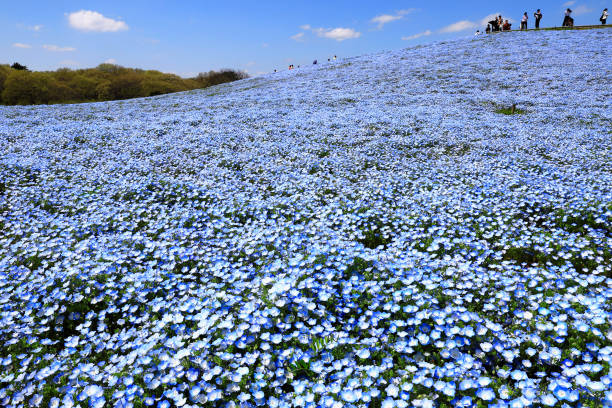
{"x": 186, "y": 37}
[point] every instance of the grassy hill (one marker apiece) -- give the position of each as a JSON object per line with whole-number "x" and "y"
{"x": 19, "y": 86}
{"x": 377, "y": 231}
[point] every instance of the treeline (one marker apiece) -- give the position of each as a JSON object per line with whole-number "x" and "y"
{"x": 19, "y": 86}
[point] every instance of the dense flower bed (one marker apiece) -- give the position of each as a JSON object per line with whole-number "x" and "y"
{"x": 372, "y": 232}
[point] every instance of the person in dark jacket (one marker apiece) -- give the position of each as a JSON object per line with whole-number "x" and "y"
{"x": 494, "y": 25}
{"x": 568, "y": 21}
{"x": 604, "y": 16}
{"x": 538, "y": 16}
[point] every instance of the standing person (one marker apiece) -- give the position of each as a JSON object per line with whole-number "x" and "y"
{"x": 494, "y": 25}
{"x": 538, "y": 17}
{"x": 568, "y": 21}
{"x": 604, "y": 16}
{"x": 524, "y": 21}
{"x": 488, "y": 30}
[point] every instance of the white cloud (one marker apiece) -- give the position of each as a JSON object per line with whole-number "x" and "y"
{"x": 37, "y": 27}
{"x": 459, "y": 26}
{"x": 490, "y": 17}
{"x": 110, "y": 61}
{"x": 87, "y": 20}
{"x": 21, "y": 45}
{"x": 56, "y": 48}
{"x": 418, "y": 35}
{"x": 298, "y": 37}
{"x": 305, "y": 27}
{"x": 581, "y": 9}
{"x": 338, "y": 34}
{"x": 569, "y": 3}
{"x": 384, "y": 19}
{"x": 388, "y": 18}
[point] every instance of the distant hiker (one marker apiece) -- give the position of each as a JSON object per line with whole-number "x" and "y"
{"x": 478, "y": 32}
{"x": 524, "y": 21}
{"x": 604, "y": 16}
{"x": 275, "y": 71}
{"x": 538, "y": 17}
{"x": 335, "y": 57}
{"x": 507, "y": 26}
{"x": 329, "y": 59}
{"x": 314, "y": 62}
{"x": 568, "y": 21}
{"x": 488, "y": 29}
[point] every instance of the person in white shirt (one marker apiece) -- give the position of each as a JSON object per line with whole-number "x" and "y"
{"x": 524, "y": 21}
{"x": 604, "y": 16}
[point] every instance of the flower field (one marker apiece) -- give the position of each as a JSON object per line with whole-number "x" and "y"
{"x": 381, "y": 231}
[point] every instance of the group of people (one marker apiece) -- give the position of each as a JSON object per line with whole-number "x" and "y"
{"x": 315, "y": 62}
{"x": 499, "y": 24}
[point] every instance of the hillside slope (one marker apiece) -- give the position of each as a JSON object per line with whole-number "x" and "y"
{"x": 376, "y": 231}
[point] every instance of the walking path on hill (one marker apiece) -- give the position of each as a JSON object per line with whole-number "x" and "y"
{"x": 584, "y": 27}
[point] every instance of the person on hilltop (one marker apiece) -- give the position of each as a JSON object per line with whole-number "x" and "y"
{"x": 507, "y": 26}
{"x": 568, "y": 21}
{"x": 524, "y": 21}
{"x": 488, "y": 29}
{"x": 538, "y": 16}
{"x": 604, "y": 16}
{"x": 495, "y": 24}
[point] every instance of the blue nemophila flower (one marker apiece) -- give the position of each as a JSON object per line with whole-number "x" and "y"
{"x": 237, "y": 250}
{"x": 548, "y": 400}
{"x": 486, "y": 394}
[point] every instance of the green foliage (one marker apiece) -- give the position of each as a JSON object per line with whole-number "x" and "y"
{"x": 17, "y": 66}
{"x": 510, "y": 111}
{"x": 18, "y": 86}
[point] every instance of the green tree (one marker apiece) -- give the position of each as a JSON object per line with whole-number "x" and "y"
{"x": 4, "y": 71}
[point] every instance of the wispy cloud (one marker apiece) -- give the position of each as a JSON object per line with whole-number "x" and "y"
{"x": 459, "y": 26}
{"x": 464, "y": 25}
{"x": 110, "y": 61}
{"x": 298, "y": 37}
{"x": 338, "y": 34}
{"x": 21, "y": 45}
{"x": 418, "y": 35}
{"x": 87, "y": 20}
{"x": 70, "y": 63}
{"x": 56, "y": 48}
{"x": 37, "y": 27}
{"x": 581, "y": 9}
{"x": 384, "y": 19}
{"x": 569, "y": 3}
{"x": 388, "y": 18}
